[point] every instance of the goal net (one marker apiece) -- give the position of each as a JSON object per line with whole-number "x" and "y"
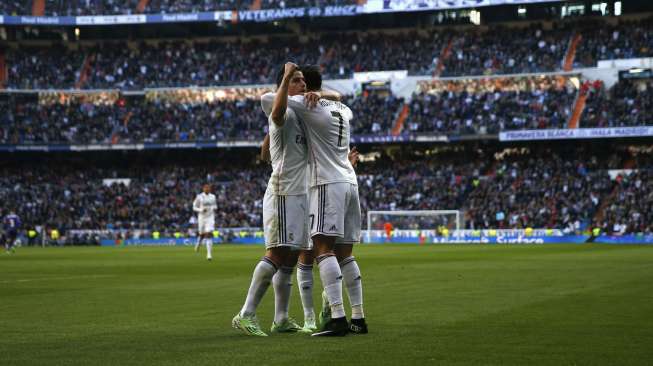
{"x": 413, "y": 226}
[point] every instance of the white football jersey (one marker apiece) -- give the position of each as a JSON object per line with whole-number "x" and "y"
{"x": 327, "y": 134}
{"x": 287, "y": 151}
{"x": 205, "y": 205}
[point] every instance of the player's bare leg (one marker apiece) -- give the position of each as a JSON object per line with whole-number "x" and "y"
{"x": 332, "y": 281}
{"x": 351, "y": 274}
{"x": 305, "y": 283}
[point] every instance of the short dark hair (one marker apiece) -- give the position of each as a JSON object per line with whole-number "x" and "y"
{"x": 312, "y": 76}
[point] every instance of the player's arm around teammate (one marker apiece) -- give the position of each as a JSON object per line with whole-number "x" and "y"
{"x": 283, "y": 198}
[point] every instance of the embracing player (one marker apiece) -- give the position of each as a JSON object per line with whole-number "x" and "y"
{"x": 205, "y": 205}
{"x": 334, "y": 209}
{"x": 284, "y": 209}
{"x": 314, "y": 93}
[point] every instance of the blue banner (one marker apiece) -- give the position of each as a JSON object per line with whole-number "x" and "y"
{"x": 176, "y": 242}
{"x": 466, "y": 239}
{"x": 265, "y": 15}
{"x": 356, "y": 139}
{"x": 577, "y": 133}
{"x": 625, "y": 239}
{"x": 499, "y": 239}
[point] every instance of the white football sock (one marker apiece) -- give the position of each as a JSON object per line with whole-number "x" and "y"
{"x": 261, "y": 278}
{"x": 282, "y": 282}
{"x": 209, "y": 247}
{"x": 305, "y": 283}
{"x": 332, "y": 282}
{"x": 351, "y": 274}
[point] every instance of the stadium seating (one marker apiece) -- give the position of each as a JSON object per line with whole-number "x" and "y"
{"x": 118, "y": 7}
{"x": 514, "y": 188}
{"x": 460, "y": 107}
{"x": 14, "y": 7}
{"x": 626, "y": 104}
{"x": 80, "y": 121}
{"x": 630, "y": 209}
{"x": 156, "y": 197}
{"x": 626, "y": 39}
{"x": 224, "y": 62}
{"x": 491, "y": 105}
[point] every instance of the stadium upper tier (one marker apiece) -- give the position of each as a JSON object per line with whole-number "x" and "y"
{"x": 460, "y": 107}
{"x": 117, "y": 7}
{"x": 497, "y": 188}
{"x": 80, "y": 121}
{"x": 438, "y": 51}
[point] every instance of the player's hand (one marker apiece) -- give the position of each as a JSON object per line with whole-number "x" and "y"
{"x": 311, "y": 99}
{"x": 353, "y": 156}
{"x": 289, "y": 69}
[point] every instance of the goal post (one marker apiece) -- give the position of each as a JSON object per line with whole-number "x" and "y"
{"x": 413, "y": 220}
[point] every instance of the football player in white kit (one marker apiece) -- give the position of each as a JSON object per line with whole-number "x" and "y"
{"x": 205, "y": 205}
{"x": 334, "y": 209}
{"x": 284, "y": 210}
{"x": 314, "y": 92}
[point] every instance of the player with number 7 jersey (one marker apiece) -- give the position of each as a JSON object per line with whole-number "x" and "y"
{"x": 334, "y": 206}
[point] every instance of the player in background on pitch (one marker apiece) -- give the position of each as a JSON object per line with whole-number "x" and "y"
{"x": 205, "y": 205}
{"x": 11, "y": 225}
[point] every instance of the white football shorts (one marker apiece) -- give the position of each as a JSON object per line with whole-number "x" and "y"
{"x": 334, "y": 210}
{"x": 285, "y": 221}
{"x": 205, "y": 225}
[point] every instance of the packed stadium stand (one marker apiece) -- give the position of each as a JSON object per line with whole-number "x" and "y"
{"x": 433, "y": 94}
{"x": 513, "y": 188}
{"x": 228, "y": 62}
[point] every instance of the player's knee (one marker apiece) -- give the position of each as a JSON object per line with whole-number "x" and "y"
{"x": 306, "y": 257}
{"x": 343, "y": 251}
{"x": 323, "y": 244}
{"x": 277, "y": 255}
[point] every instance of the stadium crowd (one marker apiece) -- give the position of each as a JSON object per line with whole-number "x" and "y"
{"x": 140, "y": 121}
{"x": 631, "y": 208}
{"x": 490, "y": 105}
{"x": 498, "y": 51}
{"x": 152, "y": 198}
{"x": 220, "y": 62}
{"x": 626, "y": 104}
{"x": 14, "y": 7}
{"x": 178, "y": 64}
{"x": 118, "y": 7}
{"x": 186, "y": 118}
{"x": 43, "y": 68}
{"x": 539, "y": 189}
{"x": 374, "y": 113}
{"x": 547, "y": 191}
{"x": 605, "y": 41}
{"x": 460, "y": 107}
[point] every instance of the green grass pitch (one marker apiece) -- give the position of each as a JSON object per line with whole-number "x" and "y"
{"x": 453, "y": 305}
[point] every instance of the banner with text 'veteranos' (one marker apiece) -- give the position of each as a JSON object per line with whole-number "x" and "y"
{"x": 578, "y": 133}
{"x": 263, "y": 15}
